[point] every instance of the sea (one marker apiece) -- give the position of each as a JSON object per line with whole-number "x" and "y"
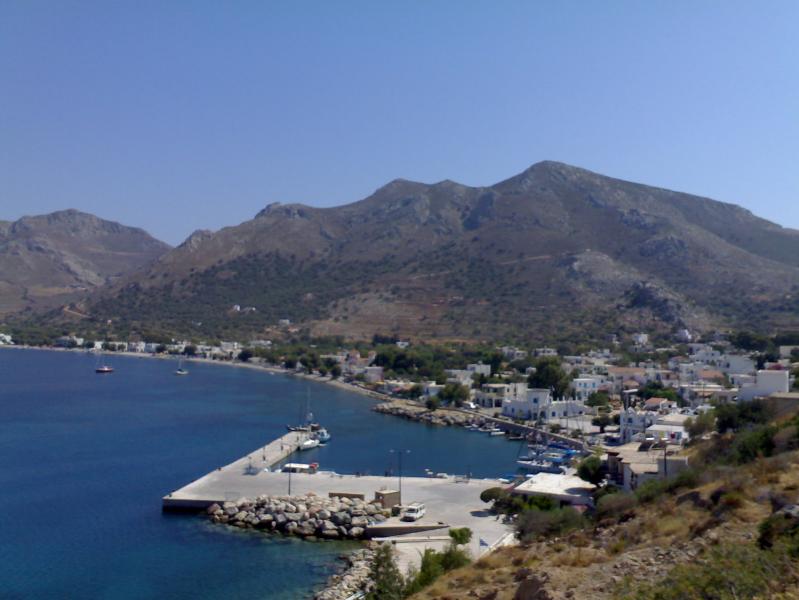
{"x": 86, "y": 459}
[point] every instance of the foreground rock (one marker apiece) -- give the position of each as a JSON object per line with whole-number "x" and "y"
{"x": 353, "y": 579}
{"x": 310, "y": 516}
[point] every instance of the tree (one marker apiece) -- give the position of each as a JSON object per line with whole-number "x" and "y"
{"x": 323, "y": 370}
{"x": 460, "y": 535}
{"x": 454, "y": 393}
{"x": 598, "y": 399}
{"x": 550, "y": 375}
{"x": 190, "y": 350}
{"x": 601, "y": 421}
{"x": 432, "y": 403}
{"x": 245, "y": 355}
{"x": 416, "y": 391}
{"x": 160, "y": 348}
{"x": 388, "y": 581}
{"x": 335, "y": 371}
{"x": 592, "y": 470}
{"x": 697, "y": 427}
{"x": 492, "y": 494}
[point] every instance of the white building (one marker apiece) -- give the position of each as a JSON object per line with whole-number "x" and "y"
{"x": 373, "y": 374}
{"x": 528, "y": 406}
{"x": 640, "y": 339}
{"x": 545, "y": 352}
{"x": 479, "y": 369}
{"x": 5, "y": 340}
{"x": 633, "y": 423}
{"x": 460, "y": 376}
{"x": 583, "y": 387}
{"x": 765, "y": 384}
{"x": 494, "y": 395}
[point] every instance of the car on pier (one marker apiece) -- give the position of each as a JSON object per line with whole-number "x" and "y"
{"x": 414, "y": 512}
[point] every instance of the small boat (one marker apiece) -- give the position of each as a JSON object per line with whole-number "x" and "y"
{"x": 309, "y": 444}
{"x": 101, "y": 367}
{"x": 496, "y": 432}
{"x": 181, "y": 370}
{"x": 539, "y": 466}
{"x": 515, "y": 438}
{"x": 323, "y": 436}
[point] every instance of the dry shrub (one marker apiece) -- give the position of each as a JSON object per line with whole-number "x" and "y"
{"x": 579, "y": 557}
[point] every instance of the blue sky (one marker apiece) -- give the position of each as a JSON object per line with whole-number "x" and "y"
{"x": 176, "y": 115}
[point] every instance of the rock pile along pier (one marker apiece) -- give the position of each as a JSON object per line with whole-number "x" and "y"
{"x": 310, "y": 516}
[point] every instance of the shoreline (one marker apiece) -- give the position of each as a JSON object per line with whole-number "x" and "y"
{"x": 274, "y": 370}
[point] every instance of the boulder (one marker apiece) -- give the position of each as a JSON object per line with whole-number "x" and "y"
{"x": 330, "y": 533}
{"x": 213, "y": 508}
{"x": 323, "y": 514}
{"x": 231, "y": 511}
{"x": 359, "y": 522}
{"x": 241, "y": 516}
{"x": 356, "y": 532}
{"x": 293, "y": 516}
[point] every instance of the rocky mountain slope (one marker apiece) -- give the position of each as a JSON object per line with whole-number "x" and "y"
{"x": 555, "y": 251}
{"x": 49, "y": 259}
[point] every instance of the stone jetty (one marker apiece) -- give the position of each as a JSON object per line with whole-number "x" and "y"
{"x": 309, "y": 516}
{"x": 423, "y": 414}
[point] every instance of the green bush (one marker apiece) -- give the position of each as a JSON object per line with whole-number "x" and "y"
{"x": 615, "y": 505}
{"x": 755, "y": 443}
{"x": 651, "y": 489}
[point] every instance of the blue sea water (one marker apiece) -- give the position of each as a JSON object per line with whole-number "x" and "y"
{"x": 86, "y": 459}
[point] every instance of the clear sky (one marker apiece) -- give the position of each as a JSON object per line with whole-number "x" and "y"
{"x": 176, "y": 115}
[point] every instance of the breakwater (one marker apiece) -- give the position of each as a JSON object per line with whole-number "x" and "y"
{"x": 424, "y": 415}
{"x": 310, "y": 516}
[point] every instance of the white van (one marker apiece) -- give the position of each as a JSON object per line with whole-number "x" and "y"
{"x": 414, "y": 512}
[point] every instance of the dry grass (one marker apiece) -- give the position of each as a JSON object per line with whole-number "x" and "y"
{"x": 579, "y": 557}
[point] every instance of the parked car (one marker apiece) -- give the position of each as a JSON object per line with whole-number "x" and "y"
{"x": 414, "y": 512}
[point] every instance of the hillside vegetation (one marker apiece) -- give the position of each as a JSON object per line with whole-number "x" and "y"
{"x": 726, "y": 529}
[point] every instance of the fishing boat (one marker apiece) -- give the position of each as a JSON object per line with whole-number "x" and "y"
{"x": 539, "y": 466}
{"x": 496, "y": 432}
{"x": 323, "y": 436}
{"x": 309, "y": 444}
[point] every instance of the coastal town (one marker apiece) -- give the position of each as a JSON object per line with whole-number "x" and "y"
{"x": 636, "y": 403}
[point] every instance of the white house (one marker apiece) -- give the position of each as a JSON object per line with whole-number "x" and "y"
{"x": 766, "y": 383}
{"x": 5, "y": 340}
{"x": 529, "y": 405}
{"x": 479, "y": 369}
{"x": 493, "y": 395}
{"x": 461, "y": 376}
{"x": 373, "y": 374}
{"x": 583, "y": 387}
{"x": 633, "y": 422}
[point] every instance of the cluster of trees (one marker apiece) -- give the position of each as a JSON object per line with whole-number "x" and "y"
{"x": 390, "y": 584}
{"x": 549, "y": 374}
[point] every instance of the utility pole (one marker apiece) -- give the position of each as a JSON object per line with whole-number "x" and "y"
{"x": 400, "y": 452}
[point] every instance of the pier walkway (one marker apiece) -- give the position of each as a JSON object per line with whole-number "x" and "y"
{"x": 450, "y": 502}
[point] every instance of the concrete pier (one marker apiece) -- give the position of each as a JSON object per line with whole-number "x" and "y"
{"x": 450, "y": 502}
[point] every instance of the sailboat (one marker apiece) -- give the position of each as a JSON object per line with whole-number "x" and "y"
{"x": 181, "y": 370}
{"x": 101, "y": 367}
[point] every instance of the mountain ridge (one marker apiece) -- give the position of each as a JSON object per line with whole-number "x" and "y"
{"x": 554, "y": 251}
{"x": 48, "y": 259}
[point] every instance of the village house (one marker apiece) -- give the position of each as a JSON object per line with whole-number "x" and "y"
{"x": 528, "y": 405}
{"x": 765, "y": 384}
{"x": 493, "y": 395}
{"x": 632, "y": 464}
{"x": 565, "y": 490}
{"x": 583, "y": 387}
